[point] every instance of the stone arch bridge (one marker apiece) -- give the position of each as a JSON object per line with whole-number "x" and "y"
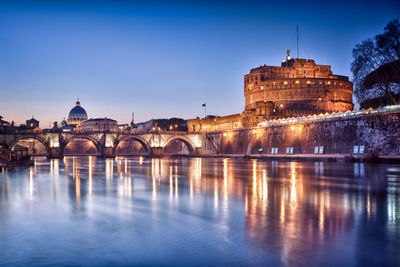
{"x": 106, "y": 143}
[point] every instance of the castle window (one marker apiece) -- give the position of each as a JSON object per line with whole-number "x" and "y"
{"x": 285, "y": 82}
{"x": 250, "y": 86}
{"x": 308, "y": 82}
{"x": 251, "y": 77}
{"x": 297, "y": 82}
{"x": 328, "y": 82}
{"x": 262, "y": 87}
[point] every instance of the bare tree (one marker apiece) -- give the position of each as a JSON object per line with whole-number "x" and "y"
{"x": 371, "y": 55}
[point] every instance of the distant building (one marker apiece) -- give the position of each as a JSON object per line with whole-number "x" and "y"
{"x": 3, "y": 123}
{"x": 32, "y": 123}
{"x": 65, "y": 127}
{"x": 98, "y": 125}
{"x": 145, "y": 126}
{"x": 77, "y": 115}
{"x": 298, "y": 87}
{"x": 172, "y": 124}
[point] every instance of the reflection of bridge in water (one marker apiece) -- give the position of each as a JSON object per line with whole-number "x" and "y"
{"x": 107, "y": 144}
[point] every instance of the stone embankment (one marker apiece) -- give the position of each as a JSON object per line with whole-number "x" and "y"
{"x": 360, "y": 135}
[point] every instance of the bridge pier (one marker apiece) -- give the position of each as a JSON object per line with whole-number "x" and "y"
{"x": 55, "y": 152}
{"x": 108, "y": 152}
{"x": 156, "y": 151}
{"x": 198, "y": 151}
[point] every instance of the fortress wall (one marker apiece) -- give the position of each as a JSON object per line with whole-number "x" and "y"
{"x": 379, "y": 133}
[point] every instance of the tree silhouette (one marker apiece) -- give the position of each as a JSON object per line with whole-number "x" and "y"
{"x": 375, "y": 65}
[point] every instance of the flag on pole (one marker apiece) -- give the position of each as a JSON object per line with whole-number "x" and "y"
{"x": 203, "y": 105}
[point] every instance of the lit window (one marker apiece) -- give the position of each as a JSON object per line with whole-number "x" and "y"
{"x": 285, "y": 82}
{"x": 308, "y": 82}
{"x": 250, "y": 86}
{"x": 297, "y": 82}
{"x": 328, "y": 82}
{"x": 262, "y": 87}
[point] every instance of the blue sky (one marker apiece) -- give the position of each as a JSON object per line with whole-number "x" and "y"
{"x": 163, "y": 60}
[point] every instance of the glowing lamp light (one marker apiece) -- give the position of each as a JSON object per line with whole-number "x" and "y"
{"x": 109, "y": 141}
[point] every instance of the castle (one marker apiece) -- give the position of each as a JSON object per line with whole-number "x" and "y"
{"x": 298, "y": 87}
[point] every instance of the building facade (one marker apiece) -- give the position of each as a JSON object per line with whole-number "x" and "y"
{"x": 32, "y": 123}
{"x": 298, "y": 87}
{"x": 98, "y": 125}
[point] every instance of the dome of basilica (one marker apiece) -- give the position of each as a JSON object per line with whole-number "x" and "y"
{"x": 77, "y": 114}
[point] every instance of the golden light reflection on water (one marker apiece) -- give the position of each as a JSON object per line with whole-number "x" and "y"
{"x": 76, "y": 177}
{"x": 31, "y": 173}
{"x": 92, "y": 161}
{"x": 292, "y": 203}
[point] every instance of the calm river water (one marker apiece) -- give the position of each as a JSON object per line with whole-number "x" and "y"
{"x": 134, "y": 211}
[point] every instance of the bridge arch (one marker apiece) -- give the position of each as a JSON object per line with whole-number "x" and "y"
{"x": 143, "y": 143}
{"x": 80, "y": 137}
{"x": 25, "y": 137}
{"x": 189, "y": 144}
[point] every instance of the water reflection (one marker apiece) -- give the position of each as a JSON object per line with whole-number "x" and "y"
{"x": 295, "y": 213}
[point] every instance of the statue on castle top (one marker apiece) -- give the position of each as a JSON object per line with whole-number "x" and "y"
{"x": 288, "y": 54}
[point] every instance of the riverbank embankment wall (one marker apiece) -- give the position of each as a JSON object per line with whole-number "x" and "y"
{"x": 370, "y": 134}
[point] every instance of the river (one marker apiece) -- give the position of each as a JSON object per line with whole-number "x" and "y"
{"x": 199, "y": 211}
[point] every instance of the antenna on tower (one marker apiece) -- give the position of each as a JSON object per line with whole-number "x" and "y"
{"x": 297, "y": 40}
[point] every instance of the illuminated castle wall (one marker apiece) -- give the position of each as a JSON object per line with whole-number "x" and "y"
{"x": 299, "y": 87}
